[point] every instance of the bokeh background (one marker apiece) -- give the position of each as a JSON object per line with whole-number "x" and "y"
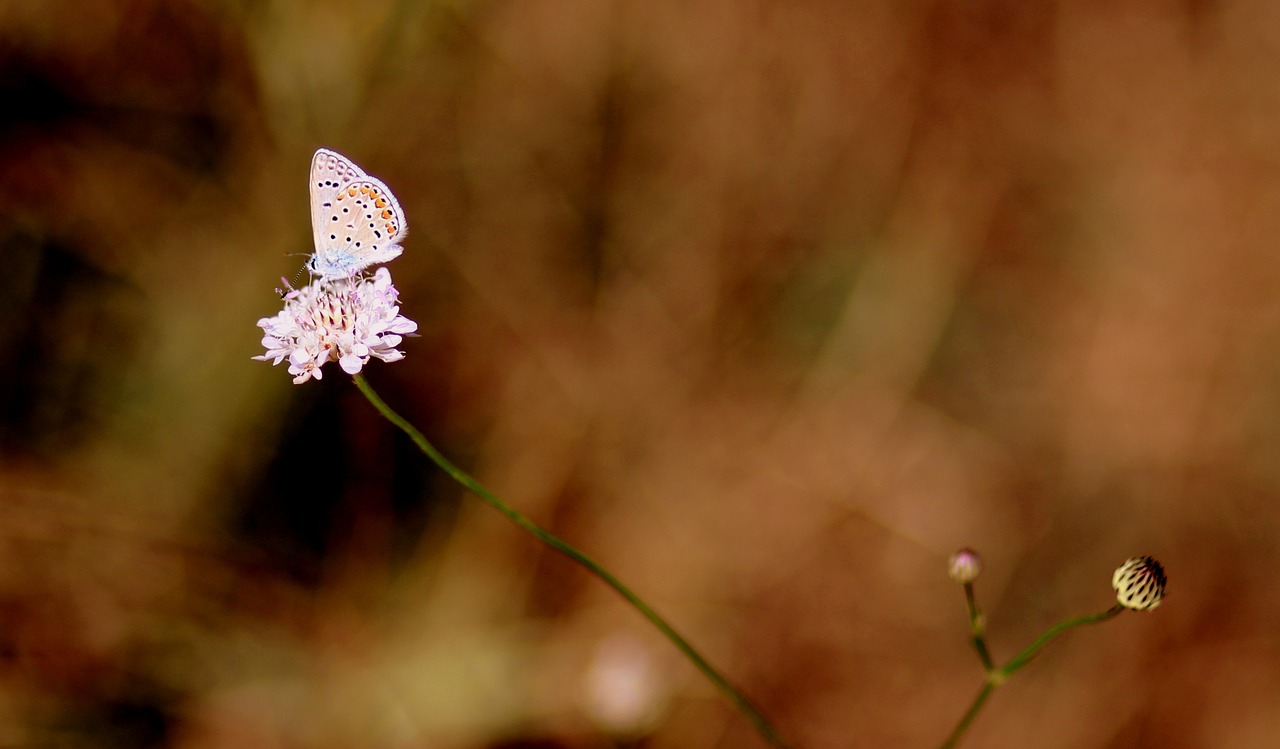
{"x": 768, "y": 306}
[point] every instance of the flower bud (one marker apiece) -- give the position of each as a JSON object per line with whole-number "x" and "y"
{"x": 1139, "y": 584}
{"x": 964, "y": 566}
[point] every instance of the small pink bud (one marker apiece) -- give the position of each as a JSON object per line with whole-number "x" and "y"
{"x": 964, "y": 566}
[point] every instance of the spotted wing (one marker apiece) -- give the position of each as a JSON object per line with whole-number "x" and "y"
{"x": 330, "y": 171}
{"x": 359, "y": 225}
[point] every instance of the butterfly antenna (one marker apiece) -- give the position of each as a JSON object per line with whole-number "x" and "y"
{"x": 290, "y": 286}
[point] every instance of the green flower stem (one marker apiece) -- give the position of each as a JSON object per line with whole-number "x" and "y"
{"x": 969, "y": 715}
{"x": 977, "y": 629}
{"x": 740, "y": 702}
{"x": 996, "y": 677}
{"x": 1023, "y": 658}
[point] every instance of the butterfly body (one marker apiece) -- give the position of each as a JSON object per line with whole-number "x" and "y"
{"x": 355, "y": 220}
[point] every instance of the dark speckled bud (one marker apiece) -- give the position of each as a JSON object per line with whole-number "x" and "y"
{"x": 1139, "y": 584}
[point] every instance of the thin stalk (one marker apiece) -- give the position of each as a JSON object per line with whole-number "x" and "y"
{"x": 743, "y": 705}
{"x": 977, "y": 629}
{"x": 1023, "y": 658}
{"x": 969, "y": 715}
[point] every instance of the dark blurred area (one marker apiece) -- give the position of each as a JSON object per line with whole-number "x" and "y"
{"x": 768, "y": 306}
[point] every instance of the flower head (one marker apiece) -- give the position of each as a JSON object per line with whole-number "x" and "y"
{"x": 964, "y": 566}
{"x": 1139, "y": 584}
{"x": 347, "y": 320}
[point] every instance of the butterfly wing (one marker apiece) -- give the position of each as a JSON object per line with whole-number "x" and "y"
{"x": 360, "y": 226}
{"x": 329, "y": 172}
{"x": 355, "y": 220}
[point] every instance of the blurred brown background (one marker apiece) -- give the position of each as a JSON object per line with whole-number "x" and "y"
{"x": 768, "y": 306}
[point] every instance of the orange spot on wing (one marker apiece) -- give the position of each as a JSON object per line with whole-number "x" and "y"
{"x": 386, "y": 214}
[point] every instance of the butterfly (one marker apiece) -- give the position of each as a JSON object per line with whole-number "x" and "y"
{"x": 355, "y": 219}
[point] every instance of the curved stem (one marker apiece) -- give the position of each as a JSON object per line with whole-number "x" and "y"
{"x": 744, "y": 706}
{"x": 1023, "y": 658}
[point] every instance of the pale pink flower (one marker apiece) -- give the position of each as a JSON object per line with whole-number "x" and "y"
{"x": 347, "y": 320}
